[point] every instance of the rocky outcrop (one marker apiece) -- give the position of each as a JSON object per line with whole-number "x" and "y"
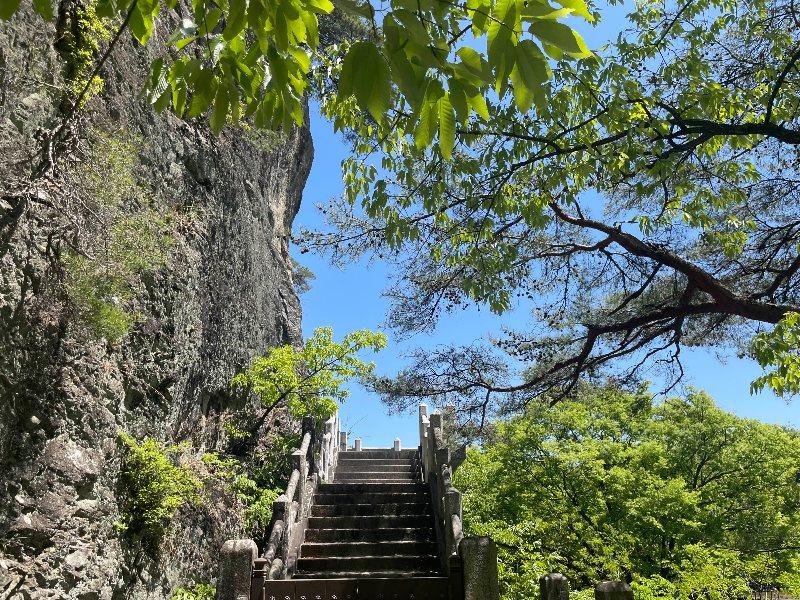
{"x": 223, "y": 296}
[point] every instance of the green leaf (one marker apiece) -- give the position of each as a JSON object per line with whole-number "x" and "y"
{"x": 236, "y": 19}
{"x": 530, "y": 72}
{"x": 476, "y": 64}
{"x": 346, "y": 75}
{"x": 179, "y": 100}
{"x": 157, "y": 84}
{"x": 203, "y": 94}
{"x": 552, "y": 51}
{"x": 560, "y": 36}
{"x": 105, "y": 9}
{"x": 480, "y": 10}
{"x": 478, "y": 104}
{"x": 312, "y": 29}
{"x": 358, "y": 10}
{"x": 458, "y": 98}
{"x": 211, "y": 20}
{"x": 371, "y": 81}
{"x": 320, "y": 6}
{"x": 427, "y": 124}
{"x": 578, "y": 7}
{"x": 424, "y": 56}
{"x": 141, "y": 25}
{"x": 406, "y": 77}
{"x": 544, "y": 11}
{"x": 43, "y": 8}
{"x": 220, "y": 112}
{"x": 413, "y": 28}
{"x": 187, "y": 28}
{"x": 8, "y": 8}
{"x": 180, "y": 44}
{"x": 447, "y": 127}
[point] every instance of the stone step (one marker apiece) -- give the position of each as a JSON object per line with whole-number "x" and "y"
{"x": 363, "y": 510}
{"x": 369, "y": 487}
{"x": 367, "y": 564}
{"x": 357, "y": 467}
{"x": 387, "y": 498}
{"x": 398, "y": 548}
{"x": 377, "y": 453}
{"x": 387, "y": 534}
{"x": 377, "y": 461}
{"x": 380, "y": 475}
{"x": 370, "y": 522}
{"x": 370, "y": 575}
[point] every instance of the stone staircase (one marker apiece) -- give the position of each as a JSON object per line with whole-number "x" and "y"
{"x": 374, "y": 521}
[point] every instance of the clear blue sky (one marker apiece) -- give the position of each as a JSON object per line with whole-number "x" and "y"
{"x": 351, "y": 299}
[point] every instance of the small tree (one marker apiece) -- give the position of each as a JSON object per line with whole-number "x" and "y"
{"x": 310, "y": 380}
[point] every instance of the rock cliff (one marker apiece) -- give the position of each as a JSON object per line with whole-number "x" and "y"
{"x": 223, "y": 295}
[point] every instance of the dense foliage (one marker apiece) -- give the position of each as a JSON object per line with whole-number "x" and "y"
{"x": 153, "y": 485}
{"x": 310, "y": 380}
{"x": 249, "y": 59}
{"x": 678, "y": 497}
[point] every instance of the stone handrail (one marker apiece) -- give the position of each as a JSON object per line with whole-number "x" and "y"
{"x": 470, "y": 563}
{"x": 290, "y": 513}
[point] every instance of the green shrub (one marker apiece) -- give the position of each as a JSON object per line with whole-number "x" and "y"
{"x": 124, "y": 237}
{"x": 153, "y": 487}
{"x": 88, "y": 32}
{"x": 202, "y": 591}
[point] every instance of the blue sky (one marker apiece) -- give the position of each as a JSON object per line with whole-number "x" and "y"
{"x": 351, "y": 299}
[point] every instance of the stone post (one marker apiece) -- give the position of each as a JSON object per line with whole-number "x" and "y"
{"x": 236, "y": 569}
{"x": 343, "y": 440}
{"x": 435, "y": 423}
{"x": 423, "y": 414}
{"x": 310, "y": 427}
{"x": 613, "y": 590}
{"x": 452, "y": 506}
{"x": 358, "y": 444}
{"x": 553, "y": 586}
{"x": 479, "y": 564}
{"x": 423, "y": 439}
{"x": 397, "y": 444}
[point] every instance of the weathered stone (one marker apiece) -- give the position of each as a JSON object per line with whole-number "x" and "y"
{"x": 479, "y": 563}
{"x": 223, "y": 295}
{"x": 613, "y": 590}
{"x": 236, "y": 569}
{"x": 553, "y": 586}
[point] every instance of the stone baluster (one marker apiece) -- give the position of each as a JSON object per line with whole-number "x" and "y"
{"x": 479, "y": 564}
{"x": 235, "y": 569}
{"x": 553, "y": 586}
{"x": 613, "y": 590}
{"x": 423, "y": 439}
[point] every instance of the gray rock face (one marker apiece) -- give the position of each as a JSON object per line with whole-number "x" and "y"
{"x": 224, "y": 296}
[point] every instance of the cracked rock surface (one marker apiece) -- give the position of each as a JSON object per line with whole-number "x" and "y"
{"x": 223, "y": 296}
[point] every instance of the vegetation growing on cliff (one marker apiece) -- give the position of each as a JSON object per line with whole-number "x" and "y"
{"x": 118, "y": 236}
{"x": 310, "y": 380}
{"x": 153, "y": 487}
{"x": 677, "y": 496}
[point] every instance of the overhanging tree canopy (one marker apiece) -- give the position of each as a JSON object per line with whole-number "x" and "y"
{"x": 648, "y": 203}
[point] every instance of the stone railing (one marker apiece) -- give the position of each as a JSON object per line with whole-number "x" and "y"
{"x": 238, "y": 558}
{"x": 471, "y": 562}
{"x": 554, "y": 586}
